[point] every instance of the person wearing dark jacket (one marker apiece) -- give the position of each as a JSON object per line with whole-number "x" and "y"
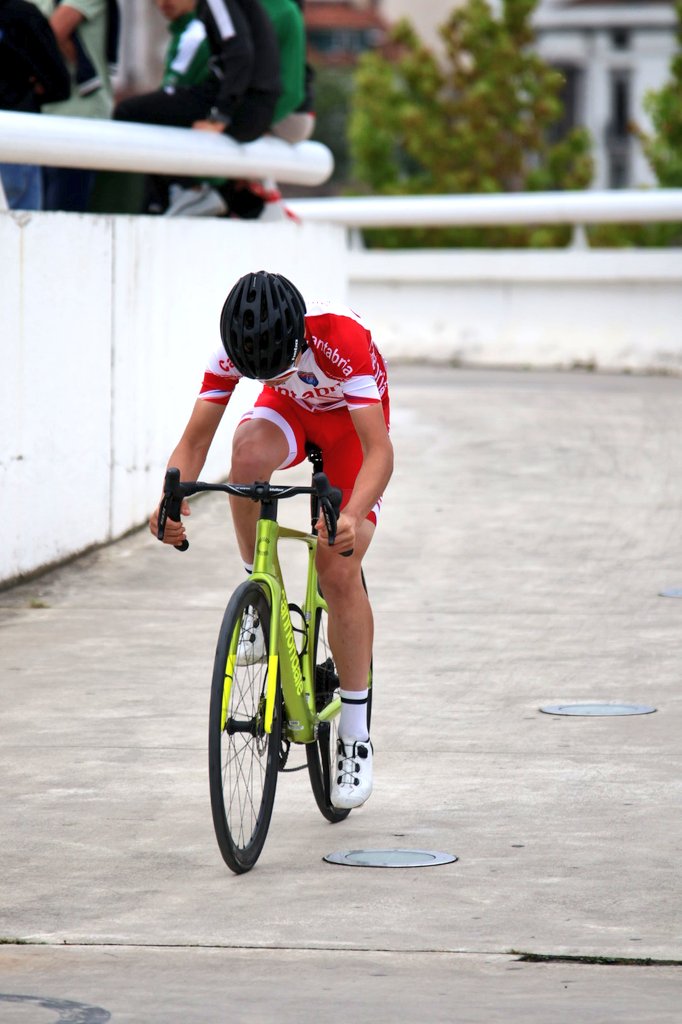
{"x": 32, "y": 72}
{"x": 238, "y": 98}
{"x": 241, "y": 92}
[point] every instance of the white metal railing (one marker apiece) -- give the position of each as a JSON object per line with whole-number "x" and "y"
{"x": 121, "y": 146}
{"x": 588, "y": 207}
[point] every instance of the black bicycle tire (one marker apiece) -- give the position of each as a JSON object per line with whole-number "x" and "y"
{"x": 240, "y": 856}
{"x": 321, "y": 754}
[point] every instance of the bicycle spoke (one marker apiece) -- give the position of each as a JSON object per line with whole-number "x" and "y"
{"x": 243, "y": 771}
{"x": 239, "y": 784}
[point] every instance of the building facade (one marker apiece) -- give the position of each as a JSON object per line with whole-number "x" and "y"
{"x": 612, "y": 54}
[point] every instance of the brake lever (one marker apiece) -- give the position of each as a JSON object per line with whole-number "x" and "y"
{"x": 331, "y": 509}
{"x": 170, "y": 506}
{"x": 329, "y": 519}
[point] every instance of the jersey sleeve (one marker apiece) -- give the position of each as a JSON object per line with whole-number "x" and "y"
{"x": 220, "y": 379}
{"x": 361, "y": 391}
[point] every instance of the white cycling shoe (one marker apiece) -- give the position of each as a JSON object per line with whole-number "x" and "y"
{"x": 251, "y": 646}
{"x": 352, "y": 783}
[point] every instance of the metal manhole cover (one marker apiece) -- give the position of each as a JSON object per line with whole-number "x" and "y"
{"x": 389, "y": 858}
{"x": 595, "y": 709}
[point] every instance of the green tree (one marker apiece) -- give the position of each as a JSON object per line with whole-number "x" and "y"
{"x": 663, "y": 149}
{"x": 477, "y": 121}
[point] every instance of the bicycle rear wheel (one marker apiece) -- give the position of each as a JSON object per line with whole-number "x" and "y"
{"x": 242, "y": 757}
{"x": 321, "y": 755}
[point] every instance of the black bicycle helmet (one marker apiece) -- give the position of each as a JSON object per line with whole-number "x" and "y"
{"x": 262, "y": 325}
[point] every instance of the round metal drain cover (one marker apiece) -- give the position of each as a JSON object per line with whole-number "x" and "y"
{"x": 598, "y": 708}
{"x": 671, "y": 592}
{"x": 389, "y": 858}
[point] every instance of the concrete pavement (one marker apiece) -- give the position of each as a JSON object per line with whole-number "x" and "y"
{"x": 532, "y": 521}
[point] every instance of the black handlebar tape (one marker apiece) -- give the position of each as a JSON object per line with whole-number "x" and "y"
{"x": 173, "y": 503}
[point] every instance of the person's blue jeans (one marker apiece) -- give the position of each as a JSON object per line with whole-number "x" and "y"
{"x": 23, "y": 185}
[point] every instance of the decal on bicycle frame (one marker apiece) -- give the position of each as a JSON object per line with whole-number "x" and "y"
{"x": 290, "y": 642}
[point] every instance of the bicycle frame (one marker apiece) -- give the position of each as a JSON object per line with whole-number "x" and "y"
{"x": 297, "y": 672}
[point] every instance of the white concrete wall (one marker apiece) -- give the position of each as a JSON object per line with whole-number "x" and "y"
{"x": 105, "y": 326}
{"x": 613, "y": 310}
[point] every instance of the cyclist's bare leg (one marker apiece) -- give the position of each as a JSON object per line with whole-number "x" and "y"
{"x": 258, "y": 448}
{"x": 351, "y": 624}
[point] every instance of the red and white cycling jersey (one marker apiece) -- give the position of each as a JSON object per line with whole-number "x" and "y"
{"x": 341, "y": 368}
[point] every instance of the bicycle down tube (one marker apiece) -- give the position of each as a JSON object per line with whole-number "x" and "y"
{"x": 297, "y": 691}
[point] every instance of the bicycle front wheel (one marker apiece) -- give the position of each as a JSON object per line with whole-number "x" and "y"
{"x": 321, "y": 755}
{"x": 243, "y": 758}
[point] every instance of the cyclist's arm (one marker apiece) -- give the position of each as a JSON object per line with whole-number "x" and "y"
{"x": 377, "y": 460}
{"x": 189, "y": 456}
{"x": 375, "y": 472}
{"x": 191, "y": 450}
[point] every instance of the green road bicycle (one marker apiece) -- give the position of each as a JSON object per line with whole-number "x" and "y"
{"x": 274, "y": 682}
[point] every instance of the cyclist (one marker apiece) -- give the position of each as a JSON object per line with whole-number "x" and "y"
{"x": 324, "y": 381}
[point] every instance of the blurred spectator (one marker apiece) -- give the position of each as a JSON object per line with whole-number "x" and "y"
{"x": 32, "y": 72}
{"x": 186, "y": 63}
{"x": 308, "y": 104}
{"x": 87, "y": 33}
{"x": 238, "y": 98}
{"x": 243, "y": 86}
{"x": 293, "y": 121}
{"x": 289, "y": 122}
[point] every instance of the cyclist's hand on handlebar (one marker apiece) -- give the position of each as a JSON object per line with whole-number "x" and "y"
{"x": 346, "y": 527}
{"x": 175, "y": 532}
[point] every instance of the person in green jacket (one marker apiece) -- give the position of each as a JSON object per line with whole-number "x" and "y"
{"x": 186, "y": 63}
{"x": 290, "y": 122}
